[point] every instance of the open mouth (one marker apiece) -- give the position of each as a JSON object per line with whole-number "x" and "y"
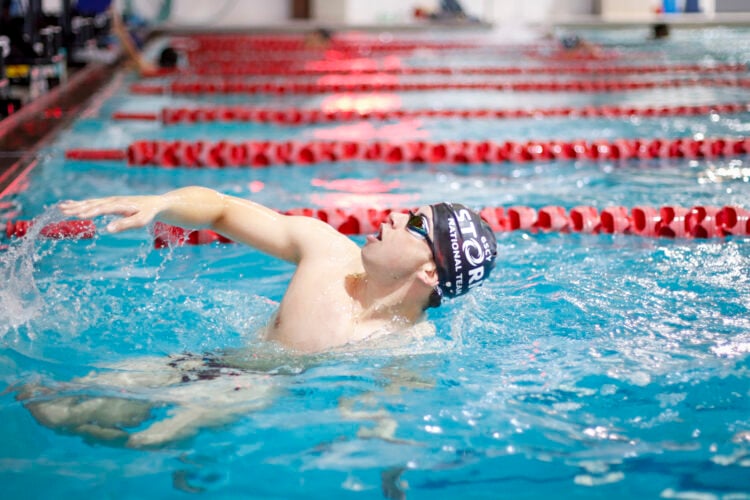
{"x": 379, "y": 235}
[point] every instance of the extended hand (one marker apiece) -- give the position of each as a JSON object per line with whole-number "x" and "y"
{"x": 137, "y": 211}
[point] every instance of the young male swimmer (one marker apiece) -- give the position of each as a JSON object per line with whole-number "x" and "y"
{"x": 339, "y": 293}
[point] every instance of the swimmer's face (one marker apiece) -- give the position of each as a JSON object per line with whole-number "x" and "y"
{"x": 400, "y": 248}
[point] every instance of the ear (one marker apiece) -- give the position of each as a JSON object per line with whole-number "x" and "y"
{"x": 428, "y": 275}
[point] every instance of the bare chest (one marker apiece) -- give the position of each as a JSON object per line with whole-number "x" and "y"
{"x": 317, "y": 311}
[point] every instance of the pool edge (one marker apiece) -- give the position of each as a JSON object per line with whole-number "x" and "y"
{"x": 25, "y": 132}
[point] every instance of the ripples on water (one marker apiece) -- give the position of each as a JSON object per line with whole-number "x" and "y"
{"x": 588, "y": 366}
{"x": 587, "y": 359}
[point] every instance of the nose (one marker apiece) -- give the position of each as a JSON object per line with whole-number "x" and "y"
{"x": 395, "y": 218}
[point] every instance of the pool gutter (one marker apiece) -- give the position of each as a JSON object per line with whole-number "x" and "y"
{"x": 23, "y": 133}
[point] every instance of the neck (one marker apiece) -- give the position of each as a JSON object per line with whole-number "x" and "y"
{"x": 379, "y": 302}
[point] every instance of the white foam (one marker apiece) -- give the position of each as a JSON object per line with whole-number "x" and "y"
{"x": 20, "y": 300}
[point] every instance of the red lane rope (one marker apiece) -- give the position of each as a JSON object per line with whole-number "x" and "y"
{"x": 312, "y": 68}
{"x": 240, "y": 87}
{"x": 96, "y": 154}
{"x": 301, "y": 116}
{"x": 206, "y": 154}
{"x": 142, "y": 116}
{"x": 129, "y": 115}
{"x": 225, "y": 43}
{"x": 665, "y": 221}
{"x": 298, "y": 58}
{"x": 69, "y": 229}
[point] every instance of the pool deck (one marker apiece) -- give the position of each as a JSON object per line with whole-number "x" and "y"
{"x": 697, "y": 20}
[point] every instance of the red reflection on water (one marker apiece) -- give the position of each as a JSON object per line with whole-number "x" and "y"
{"x": 348, "y": 200}
{"x": 365, "y": 131}
{"x": 355, "y": 132}
{"x": 359, "y": 79}
{"x": 362, "y": 103}
{"x": 362, "y": 64}
{"x": 359, "y": 186}
{"x": 335, "y": 63}
{"x": 335, "y": 55}
{"x": 256, "y": 186}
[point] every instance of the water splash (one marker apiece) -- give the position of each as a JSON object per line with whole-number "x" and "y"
{"x": 84, "y": 301}
{"x": 20, "y": 298}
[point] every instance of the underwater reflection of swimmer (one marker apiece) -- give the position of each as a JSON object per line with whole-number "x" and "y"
{"x": 119, "y": 406}
{"x": 365, "y": 408}
{"x": 153, "y": 401}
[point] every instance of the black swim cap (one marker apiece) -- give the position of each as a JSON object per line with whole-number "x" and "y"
{"x": 168, "y": 58}
{"x": 464, "y": 248}
{"x": 570, "y": 41}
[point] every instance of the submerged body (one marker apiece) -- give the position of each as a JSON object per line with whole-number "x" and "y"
{"x": 195, "y": 391}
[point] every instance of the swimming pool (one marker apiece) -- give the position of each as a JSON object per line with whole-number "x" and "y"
{"x": 588, "y": 366}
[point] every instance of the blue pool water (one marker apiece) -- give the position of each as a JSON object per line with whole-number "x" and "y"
{"x": 588, "y": 366}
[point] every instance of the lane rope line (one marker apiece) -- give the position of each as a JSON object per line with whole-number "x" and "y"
{"x": 234, "y": 67}
{"x": 666, "y": 222}
{"x": 227, "y": 154}
{"x": 241, "y": 87}
{"x": 303, "y": 116}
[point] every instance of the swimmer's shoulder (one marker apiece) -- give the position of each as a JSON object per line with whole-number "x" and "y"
{"x": 322, "y": 238}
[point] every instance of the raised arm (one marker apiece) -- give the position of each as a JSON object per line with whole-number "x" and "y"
{"x": 119, "y": 29}
{"x": 285, "y": 237}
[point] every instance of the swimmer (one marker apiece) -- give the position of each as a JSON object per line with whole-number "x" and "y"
{"x": 339, "y": 294}
{"x": 659, "y": 31}
{"x": 318, "y": 39}
{"x": 168, "y": 57}
{"x": 573, "y": 46}
{"x": 340, "y": 297}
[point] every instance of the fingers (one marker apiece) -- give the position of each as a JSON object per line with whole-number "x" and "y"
{"x": 87, "y": 209}
{"x": 133, "y": 222}
{"x": 136, "y": 210}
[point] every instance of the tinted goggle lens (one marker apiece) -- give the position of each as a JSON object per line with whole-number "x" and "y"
{"x": 417, "y": 224}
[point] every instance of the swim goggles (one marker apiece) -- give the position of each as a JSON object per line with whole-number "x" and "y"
{"x": 418, "y": 225}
